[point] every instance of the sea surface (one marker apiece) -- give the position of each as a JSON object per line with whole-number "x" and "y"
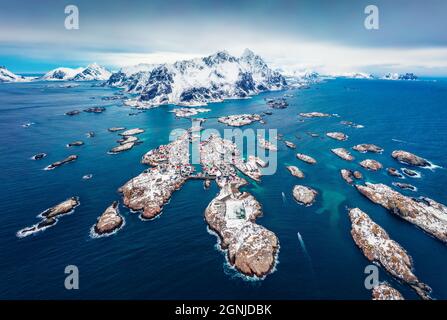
{"x": 174, "y": 256}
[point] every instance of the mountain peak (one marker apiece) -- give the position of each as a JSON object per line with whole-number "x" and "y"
{"x": 248, "y": 53}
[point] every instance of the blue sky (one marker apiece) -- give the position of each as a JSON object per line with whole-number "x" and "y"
{"x": 327, "y": 36}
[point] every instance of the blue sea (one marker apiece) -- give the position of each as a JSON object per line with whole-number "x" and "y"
{"x": 174, "y": 256}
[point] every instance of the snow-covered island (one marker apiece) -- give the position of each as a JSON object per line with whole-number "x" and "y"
{"x": 8, "y": 76}
{"x": 92, "y": 72}
{"x": 198, "y": 81}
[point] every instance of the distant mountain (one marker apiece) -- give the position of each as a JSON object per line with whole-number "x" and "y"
{"x": 396, "y": 76}
{"x": 356, "y": 75}
{"x": 91, "y": 72}
{"x": 8, "y": 76}
{"x": 300, "y": 78}
{"x": 198, "y": 81}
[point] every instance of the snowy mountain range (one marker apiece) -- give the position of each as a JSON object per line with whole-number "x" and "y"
{"x": 91, "y": 72}
{"x": 8, "y": 76}
{"x": 198, "y": 81}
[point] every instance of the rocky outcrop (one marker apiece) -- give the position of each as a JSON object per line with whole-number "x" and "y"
{"x": 149, "y": 191}
{"x": 251, "y": 248}
{"x": 405, "y": 186}
{"x": 357, "y": 174}
{"x": 127, "y": 139}
{"x": 384, "y": 291}
{"x": 39, "y": 156}
{"x": 95, "y": 110}
{"x": 371, "y": 164}
{"x": 115, "y": 129}
{"x": 340, "y": 136}
{"x": 394, "y": 172}
{"x": 295, "y": 171}
{"x": 377, "y": 247}
{"x": 304, "y": 195}
{"x": 409, "y": 158}
{"x": 343, "y": 153}
{"x": 423, "y": 212}
{"x": 290, "y": 144}
{"x": 132, "y": 132}
{"x": 306, "y": 158}
{"x": 122, "y": 147}
{"x": 109, "y": 221}
{"x": 56, "y": 164}
{"x": 75, "y": 144}
{"x": 367, "y": 147}
{"x": 314, "y": 115}
{"x": 72, "y": 113}
{"x": 239, "y": 120}
{"x": 349, "y": 175}
{"x": 410, "y": 173}
{"x": 50, "y": 216}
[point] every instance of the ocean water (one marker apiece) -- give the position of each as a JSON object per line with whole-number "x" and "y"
{"x": 174, "y": 256}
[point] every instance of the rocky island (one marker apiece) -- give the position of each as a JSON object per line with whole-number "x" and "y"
{"x": 343, "y": 153}
{"x": 265, "y": 144}
{"x": 72, "y": 113}
{"x": 239, "y": 120}
{"x": 295, "y": 171}
{"x": 50, "y": 216}
{"x": 384, "y": 291}
{"x": 122, "y": 147}
{"x": 75, "y": 144}
{"x": 290, "y": 144}
{"x": 340, "y": 136}
{"x": 39, "y": 156}
{"x": 423, "y": 212}
{"x": 95, "y": 110}
{"x": 394, "y": 172}
{"x": 188, "y": 112}
{"x": 131, "y": 132}
{"x": 314, "y": 115}
{"x": 304, "y": 195}
{"x": 377, "y": 247}
{"x": 251, "y": 248}
{"x": 56, "y": 164}
{"x": 349, "y": 175}
{"x": 306, "y": 158}
{"x": 115, "y": 129}
{"x": 149, "y": 191}
{"x": 409, "y": 158}
{"x": 367, "y": 147}
{"x": 370, "y": 164}
{"x": 109, "y": 221}
{"x": 405, "y": 186}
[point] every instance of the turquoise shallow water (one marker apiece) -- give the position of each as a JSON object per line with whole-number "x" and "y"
{"x": 174, "y": 256}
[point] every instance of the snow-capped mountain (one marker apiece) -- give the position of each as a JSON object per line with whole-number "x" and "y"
{"x": 396, "y": 76}
{"x": 355, "y": 75}
{"x": 91, "y": 72}
{"x": 8, "y": 76}
{"x": 198, "y": 81}
{"x": 299, "y": 78}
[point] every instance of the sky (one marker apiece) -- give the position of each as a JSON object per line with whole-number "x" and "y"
{"x": 327, "y": 36}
